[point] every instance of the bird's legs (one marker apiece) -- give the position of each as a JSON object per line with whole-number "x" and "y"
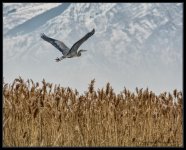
{"x": 59, "y": 59}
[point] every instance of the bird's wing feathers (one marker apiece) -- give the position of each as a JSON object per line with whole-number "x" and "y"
{"x": 58, "y": 44}
{"x": 78, "y": 43}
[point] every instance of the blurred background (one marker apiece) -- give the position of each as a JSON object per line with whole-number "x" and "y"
{"x": 135, "y": 44}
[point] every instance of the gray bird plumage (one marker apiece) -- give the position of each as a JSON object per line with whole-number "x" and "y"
{"x": 68, "y": 53}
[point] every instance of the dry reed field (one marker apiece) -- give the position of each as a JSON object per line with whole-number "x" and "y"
{"x": 43, "y": 114}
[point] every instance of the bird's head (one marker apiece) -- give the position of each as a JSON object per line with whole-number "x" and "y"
{"x": 79, "y": 52}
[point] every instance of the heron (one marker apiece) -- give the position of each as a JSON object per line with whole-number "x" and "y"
{"x": 68, "y": 52}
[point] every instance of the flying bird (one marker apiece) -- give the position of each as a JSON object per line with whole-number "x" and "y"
{"x": 68, "y": 52}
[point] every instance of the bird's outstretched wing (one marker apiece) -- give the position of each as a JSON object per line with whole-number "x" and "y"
{"x": 78, "y": 43}
{"x": 56, "y": 43}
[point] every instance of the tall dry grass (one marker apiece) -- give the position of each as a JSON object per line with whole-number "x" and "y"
{"x": 50, "y": 115}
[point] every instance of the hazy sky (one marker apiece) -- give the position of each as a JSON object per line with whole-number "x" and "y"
{"x": 135, "y": 44}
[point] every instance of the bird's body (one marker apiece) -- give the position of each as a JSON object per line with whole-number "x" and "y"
{"x": 68, "y": 53}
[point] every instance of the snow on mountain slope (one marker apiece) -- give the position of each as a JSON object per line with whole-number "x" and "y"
{"x": 135, "y": 44}
{"x": 17, "y": 13}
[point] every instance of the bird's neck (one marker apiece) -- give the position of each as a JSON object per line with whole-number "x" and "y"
{"x": 79, "y": 54}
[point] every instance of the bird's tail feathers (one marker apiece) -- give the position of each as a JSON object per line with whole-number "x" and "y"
{"x": 59, "y": 59}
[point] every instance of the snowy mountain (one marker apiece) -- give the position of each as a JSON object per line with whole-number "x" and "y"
{"x": 135, "y": 44}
